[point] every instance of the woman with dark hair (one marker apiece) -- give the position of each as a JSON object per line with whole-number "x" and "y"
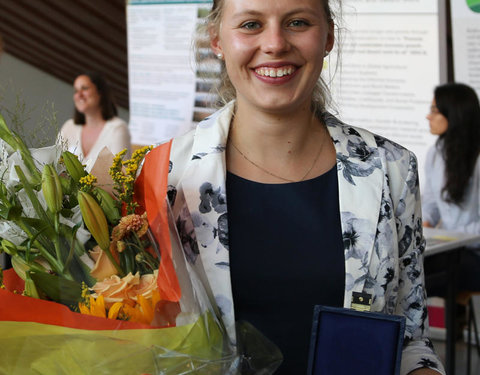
{"x": 451, "y": 192}
{"x": 95, "y": 124}
{"x": 451, "y": 196}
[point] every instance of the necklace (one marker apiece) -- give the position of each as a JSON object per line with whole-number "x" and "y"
{"x": 273, "y": 174}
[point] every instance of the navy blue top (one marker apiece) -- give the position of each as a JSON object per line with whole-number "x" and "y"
{"x": 286, "y": 255}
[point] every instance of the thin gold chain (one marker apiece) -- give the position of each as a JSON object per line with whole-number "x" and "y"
{"x": 273, "y": 174}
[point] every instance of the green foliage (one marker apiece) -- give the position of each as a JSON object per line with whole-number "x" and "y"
{"x": 38, "y": 133}
{"x": 58, "y": 288}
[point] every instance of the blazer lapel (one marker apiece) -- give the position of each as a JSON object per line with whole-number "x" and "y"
{"x": 360, "y": 184}
{"x": 203, "y": 184}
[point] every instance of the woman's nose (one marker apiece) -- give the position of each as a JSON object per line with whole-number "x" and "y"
{"x": 275, "y": 40}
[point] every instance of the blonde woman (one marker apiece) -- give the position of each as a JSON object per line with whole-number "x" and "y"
{"x": 281, "y": 204}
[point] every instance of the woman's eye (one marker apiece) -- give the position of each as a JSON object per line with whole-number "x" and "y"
{"x": 251, "y": 25}
{"x": 298, "y": 23}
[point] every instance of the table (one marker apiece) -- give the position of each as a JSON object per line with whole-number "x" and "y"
{"x": 451, "y": 243}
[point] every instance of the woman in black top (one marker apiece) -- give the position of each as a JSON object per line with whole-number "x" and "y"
{"x": 280, "y": 205}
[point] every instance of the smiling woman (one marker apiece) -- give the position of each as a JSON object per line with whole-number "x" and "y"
{"x": 283, "y": 205}
{"x": 291, "y": 48}
{"x": 95, "y": 124}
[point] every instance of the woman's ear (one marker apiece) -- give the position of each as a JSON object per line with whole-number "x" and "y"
{"x": 330, "y": 37}
{"x": 215, "y": 42}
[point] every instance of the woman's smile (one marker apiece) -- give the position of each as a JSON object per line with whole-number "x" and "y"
{"x": 272, "y": 72}
{"x": 272, "y": 75}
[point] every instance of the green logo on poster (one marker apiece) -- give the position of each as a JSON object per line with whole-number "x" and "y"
{"x": 474, "y": 5}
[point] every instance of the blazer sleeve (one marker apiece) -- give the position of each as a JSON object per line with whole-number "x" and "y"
{"x": 418, "y": 350}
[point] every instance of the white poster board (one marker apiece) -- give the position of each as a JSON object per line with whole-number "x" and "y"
{"x": 390, "y": 65}
{"x": 466, "y": 42}
{"x": 161, "y": 68}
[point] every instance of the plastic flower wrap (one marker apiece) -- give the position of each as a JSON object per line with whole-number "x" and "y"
{"x": 99, "y": 283}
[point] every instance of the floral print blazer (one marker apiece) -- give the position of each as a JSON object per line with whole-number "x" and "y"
{"x": 380, "y": 217}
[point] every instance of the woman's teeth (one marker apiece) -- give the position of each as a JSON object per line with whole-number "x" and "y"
{"x": 275, "y": 72}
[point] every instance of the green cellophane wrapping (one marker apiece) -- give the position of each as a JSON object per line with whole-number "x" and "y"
{"x": 35, "y": 348}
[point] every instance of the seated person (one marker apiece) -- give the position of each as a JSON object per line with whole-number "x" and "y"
{"x": 451, "y": 191}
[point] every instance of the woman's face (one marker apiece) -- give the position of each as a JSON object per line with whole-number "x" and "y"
{"x": 438, "y": 122}
{"x": 85, "y": 95}
{"x": 273, "y": 50}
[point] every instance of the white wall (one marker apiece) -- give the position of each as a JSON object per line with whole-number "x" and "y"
{"x": 39, "y": 91}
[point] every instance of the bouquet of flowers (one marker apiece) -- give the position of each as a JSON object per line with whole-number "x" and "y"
{"x": 99, "y": 283}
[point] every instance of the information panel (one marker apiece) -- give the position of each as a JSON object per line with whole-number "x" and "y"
{"x": 466, "y": 42}
{"x": 390, "y": 64}
{"x": 162, "y": 73}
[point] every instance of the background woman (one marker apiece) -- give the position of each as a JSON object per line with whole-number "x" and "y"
{"x": 95, "y": 124}
{"x": 451, "y": 195}
{"x": 282, "y": 205}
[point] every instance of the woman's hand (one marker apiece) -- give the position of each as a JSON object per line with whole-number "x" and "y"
{"x": 424, "y": 371}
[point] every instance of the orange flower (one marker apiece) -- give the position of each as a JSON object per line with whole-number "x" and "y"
{"x": 144, "y": 311}
{"x": 96, "y": 307}
{"x": 115, "y": 289}
{"x": 146, "y": 286}
{"x": 128, "y": 288}
{"x": 114, "y": 311}
{"x": 132, "y": 297}
{"x": 103, "y": 266}
{"x": 141, "y": 312}
{"x": 130, "y": 223}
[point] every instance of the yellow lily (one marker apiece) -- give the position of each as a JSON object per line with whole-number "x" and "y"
{"x": 94, "y": 219}
{"x": 52, "y": 188}
{"x": 96, "y": 308}
{"x": 144, "y": 310}
{"x": 141, "y": 312}
{"x": 96, "y": 223}
{"x": 74, "y": 167}
{"x": 114, "y": 311}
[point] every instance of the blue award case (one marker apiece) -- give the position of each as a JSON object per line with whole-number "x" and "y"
{"x": 346, "y": 341}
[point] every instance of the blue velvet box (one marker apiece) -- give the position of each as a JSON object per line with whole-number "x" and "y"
{"x": 345, "y": 341}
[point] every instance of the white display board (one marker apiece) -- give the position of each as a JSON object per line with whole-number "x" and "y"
{"x": 161, "y": 69}
{"x": 390, "y": 65}
{"x": 466, "y": 42}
